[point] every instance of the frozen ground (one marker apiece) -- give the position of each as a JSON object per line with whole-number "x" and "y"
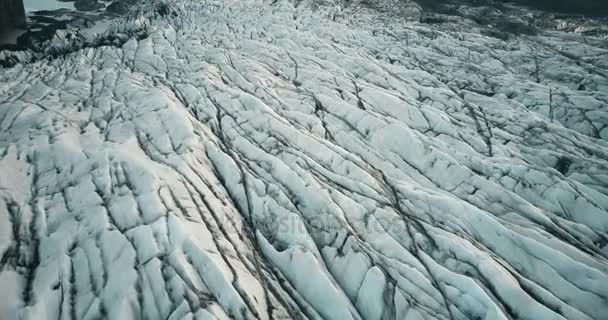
{"x": 309, "y": 160}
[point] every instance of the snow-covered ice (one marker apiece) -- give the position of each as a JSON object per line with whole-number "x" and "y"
{"x": 309, "y": 160}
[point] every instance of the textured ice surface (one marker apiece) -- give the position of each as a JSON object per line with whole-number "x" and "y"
{"x": 273, "y": 160}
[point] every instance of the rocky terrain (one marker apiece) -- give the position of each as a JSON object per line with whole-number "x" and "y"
{"x": 46, "y": 17}
{"x": 586, "y": 7}
{"x": 307, "y": 160}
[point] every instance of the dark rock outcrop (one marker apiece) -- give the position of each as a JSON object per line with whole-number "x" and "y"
{"x": 87, "y": 5}
{"x": 12, "y": 15}
{"x": 120, "y": 6}
{"x": 587, "y": 7}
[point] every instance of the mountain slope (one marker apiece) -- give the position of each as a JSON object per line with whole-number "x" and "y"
{"x": 274, "y": 160}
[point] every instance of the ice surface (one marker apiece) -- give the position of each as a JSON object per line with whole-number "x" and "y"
{"x": 37, "y": 5}
{"x": 273, "y": 160}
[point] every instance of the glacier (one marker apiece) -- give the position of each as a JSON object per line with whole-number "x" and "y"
{"x": 261, "y": 159}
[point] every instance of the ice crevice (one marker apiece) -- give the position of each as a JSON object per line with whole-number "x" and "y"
{"x": 303, "y": 160}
